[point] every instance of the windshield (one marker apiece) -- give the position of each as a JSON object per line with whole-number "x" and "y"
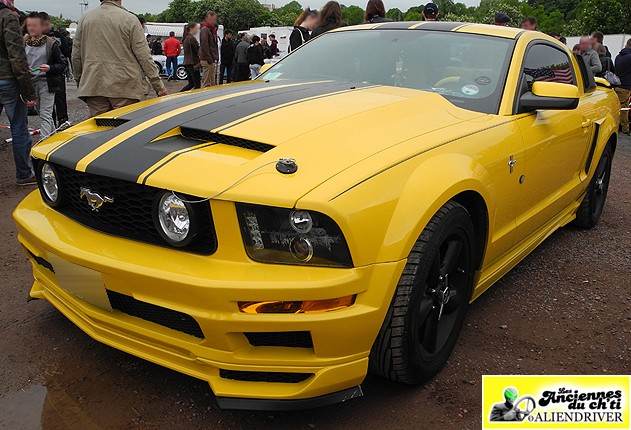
{"x": 468, "y": 70}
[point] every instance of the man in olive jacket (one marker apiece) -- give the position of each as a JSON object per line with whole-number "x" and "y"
{"x": 16, "y": 90}
{"x": 110, "y": 59}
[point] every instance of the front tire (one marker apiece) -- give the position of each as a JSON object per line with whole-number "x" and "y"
{"x": 428, "y": 309}
{"x": 593, "y": 204}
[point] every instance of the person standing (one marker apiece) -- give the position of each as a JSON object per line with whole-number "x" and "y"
{"x": 306, "y": 22}
{"x": 172, "y": 50}
{"x": 227, "y": 58}
{"x": 191, "y": 57}
{"x": 529, "y": 23}
{"x": 599, "y": 37}
{"x": 623, "y": 71}
{"x": 208, "y": 50}
{"x": 256, "y": 57}
{"x": 156, "y": 47}
{"x": 375, "y": 12}
{"x": 430, "y": 12}
{"x": 273, "y": 45}
{"x": 589, "y": 55}
{"x": 107, "y": 32}
{"x": 47, "y": 65}
{"x": 241, "y": 59}
{"x": 61, "y": 104}
{"x": 16, "y": 90}
{"x": 501, "y": 19}
{"x": 330, "y": 17}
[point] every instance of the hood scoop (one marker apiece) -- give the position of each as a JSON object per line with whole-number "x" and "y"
{"x": 207, "y": 136}
{"x": 110, "y": 122}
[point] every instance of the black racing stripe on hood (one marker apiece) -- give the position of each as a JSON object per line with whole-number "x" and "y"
{"x": 134, "y": 156}
{"x": 71, "y": 153}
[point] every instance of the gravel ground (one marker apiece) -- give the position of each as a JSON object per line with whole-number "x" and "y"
{"x": 566, "y": 309}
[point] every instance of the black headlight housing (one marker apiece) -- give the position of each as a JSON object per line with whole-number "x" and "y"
{"x": 292, "y": 236}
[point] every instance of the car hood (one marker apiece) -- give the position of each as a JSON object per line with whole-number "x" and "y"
{"x": 224, "y": 143}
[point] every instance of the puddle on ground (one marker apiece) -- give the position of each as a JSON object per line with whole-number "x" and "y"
{"x": 23, "y": 409}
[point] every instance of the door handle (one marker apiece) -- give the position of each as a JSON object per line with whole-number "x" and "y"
{"x": 587, "y": 123}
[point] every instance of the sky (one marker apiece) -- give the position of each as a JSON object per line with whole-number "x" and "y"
{"x": 71, "y": 8}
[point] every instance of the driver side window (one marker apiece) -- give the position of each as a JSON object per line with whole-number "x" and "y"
{"x": 549, "y": 64}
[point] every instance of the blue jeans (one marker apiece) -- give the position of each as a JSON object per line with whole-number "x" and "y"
{"x": 171, "y": 66}
{"x": 17, "y": 112}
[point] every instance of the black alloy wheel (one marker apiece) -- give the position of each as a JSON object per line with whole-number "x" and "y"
{"x": 428, "y": 309}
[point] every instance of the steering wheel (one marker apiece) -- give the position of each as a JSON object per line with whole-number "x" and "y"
{"x": 531, "y": 404}
{"x": 447, "y": 80}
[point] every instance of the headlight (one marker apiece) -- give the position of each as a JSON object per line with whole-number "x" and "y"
{"x": 277, "y": 235}
{"x": 49, "y": 185}
{"x": 174, "y": 220}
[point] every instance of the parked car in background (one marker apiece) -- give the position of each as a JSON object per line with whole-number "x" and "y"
{"x": 161, "y": 60}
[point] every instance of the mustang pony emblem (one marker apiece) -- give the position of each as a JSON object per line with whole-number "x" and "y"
{"x": 95, "y": 200}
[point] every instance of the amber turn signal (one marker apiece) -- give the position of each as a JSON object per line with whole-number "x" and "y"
{"x": 296, "y": 307}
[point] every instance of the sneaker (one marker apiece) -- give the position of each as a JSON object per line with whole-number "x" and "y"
{"x": 28, "y": 181}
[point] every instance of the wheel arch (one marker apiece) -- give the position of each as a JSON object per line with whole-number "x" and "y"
{"x": 453, "y": 177}
{"x": 474, "y": 203}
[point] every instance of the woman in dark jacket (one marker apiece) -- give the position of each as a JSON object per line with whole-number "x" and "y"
{"x": 191, "y": 57}
{"x": 375, "y": 12}
{"x": 306, "y": 22}
{"x": 330, "y": 18}
{"x": 256, "y": 57}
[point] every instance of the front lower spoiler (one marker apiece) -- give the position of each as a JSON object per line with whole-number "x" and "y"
{"x": 289, "y": 405}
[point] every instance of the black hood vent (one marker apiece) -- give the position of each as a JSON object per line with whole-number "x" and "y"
{"x": 110, "y": 122}
{"x": 207, "y": 136}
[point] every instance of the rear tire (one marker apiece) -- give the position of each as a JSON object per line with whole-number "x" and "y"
{"x": 416, "y": 338}
{"x": 593, "y": 204}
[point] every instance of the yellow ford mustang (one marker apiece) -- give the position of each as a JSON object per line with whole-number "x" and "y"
{"x": 280, "y": 238}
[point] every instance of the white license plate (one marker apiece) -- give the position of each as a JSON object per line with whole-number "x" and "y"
{"x": 87, "y": 284}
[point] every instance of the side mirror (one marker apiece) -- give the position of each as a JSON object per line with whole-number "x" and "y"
{"x": 549, "y": 95}
{"x": 265, "y": 67}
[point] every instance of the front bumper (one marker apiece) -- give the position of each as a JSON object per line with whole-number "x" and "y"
{"x": 208, "y": 289}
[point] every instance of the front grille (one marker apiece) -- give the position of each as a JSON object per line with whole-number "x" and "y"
{"x": 130, "y": 215}
{"x": 292, "y": 339}
{"x": 156, "y": 314}
{"x": 207, "y": 136}
{"x": 283, "y": 377}
{"x": 109, "y": 122}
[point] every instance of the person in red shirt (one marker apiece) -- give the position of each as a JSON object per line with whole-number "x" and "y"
{"x": 172, "y": 49}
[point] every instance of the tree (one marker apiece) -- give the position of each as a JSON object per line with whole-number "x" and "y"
{"x": 352, "y": 15}
{"x": 413, "y": 16}
{"x": 607, "y": 16}
{"x": 288, "y": 14}
{"x": 60, "y": 21}
{"x": 395, "y": 14}
{"x": 177, "y": 11}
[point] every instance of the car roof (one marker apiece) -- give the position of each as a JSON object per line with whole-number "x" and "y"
{"x": 459, "y": 27}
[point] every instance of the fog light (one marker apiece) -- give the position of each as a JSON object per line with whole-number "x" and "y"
{"x": 301, "y": 248}
{"x": 296, "y": 307}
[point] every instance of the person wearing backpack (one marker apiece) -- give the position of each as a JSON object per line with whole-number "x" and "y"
{"x": 306, "y": 22}
{"x": 256, "y": 57}
{"x": 241, "y": 59}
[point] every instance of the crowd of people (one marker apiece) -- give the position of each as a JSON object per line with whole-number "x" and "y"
{"x": 35, "y": 58}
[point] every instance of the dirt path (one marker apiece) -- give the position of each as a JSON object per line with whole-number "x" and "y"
{"x": 566, "y": 309}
